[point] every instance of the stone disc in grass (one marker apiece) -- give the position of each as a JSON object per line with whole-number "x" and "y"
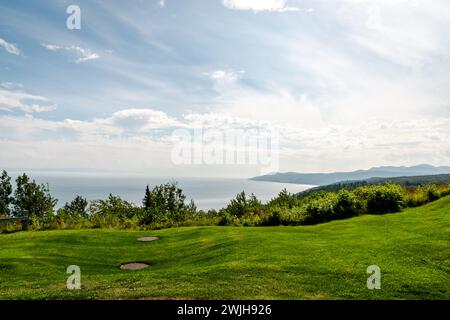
{"x": 134, "y": 266}
{"x": 148, "y": 239}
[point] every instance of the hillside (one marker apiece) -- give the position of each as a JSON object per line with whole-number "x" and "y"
{"x": 329, "y": 178}
{"x": 413, "y": 181}
{"x": 326, "y": 261}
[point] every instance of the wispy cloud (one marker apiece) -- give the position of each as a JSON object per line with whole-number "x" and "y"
{"x": 224, "y": 77}
{"x": 12, "y": 97}
{"x": 140, "y": 120}
{"x": 9, "y": 47}
{"x": 11, "y": 85}
{"x": 259, "y": 5}
{"x": 82, "y": 54}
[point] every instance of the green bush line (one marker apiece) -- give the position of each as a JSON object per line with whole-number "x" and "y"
{"x": 165, "y": 207}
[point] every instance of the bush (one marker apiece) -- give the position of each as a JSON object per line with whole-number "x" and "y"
{"x": 242, "y": 205}
{"x": 164, "y": 202}
{"x": 225, "y": 219}
{"x": 415, "y": 198}
{"x": 284, "y": 199}
{"x": 432, "y": 192}
{"x": 445, "y": 190}
{"x": 384, "y": 198}
{"x": 77, "y": 207}
{"x": 272, "y": 219}
{"x": 319, "y": 210}
{"x": 112, "y": 212}
{"x": 238, "y": 206}
{"x": 346, "y": 205}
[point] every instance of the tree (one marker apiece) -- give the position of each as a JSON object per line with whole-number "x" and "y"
{"x": 32, "y": 199}
{"x": 147, "y": 201}
{"x": 165, "y": 201}
{"x": 284, "y": 199}
{"x": 5, "y": 194}
{"x": 238, "y": 206}
{"x": 150, "y": 208}
{"x": 77, "y": 207}
{"x": 174, "y": 200}
{"x": 114, "y": 206}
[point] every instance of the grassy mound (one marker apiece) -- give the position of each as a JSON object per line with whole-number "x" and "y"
{"x": 326, "y": 261}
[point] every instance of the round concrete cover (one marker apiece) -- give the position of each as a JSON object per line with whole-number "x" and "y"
{"x": 146, "y": 239}
{"x": 134, "y": 266}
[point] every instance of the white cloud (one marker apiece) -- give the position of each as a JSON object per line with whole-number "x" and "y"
{"x": 220, "y": 121}
{"x": 278, "y": 106}
{"x": 225, "y": 77}
{"x": 162, "y": 3}
{"x": 106, "y": 142}
{"x": 52, "y": 47}
{"x": 140, "y": 120}
{"x": 259, "y": 5}
{"x": 82, "y": 54}
{"x": 85, "y": 54}
{"x": 12, "y": 99}
{"x": 9, "y": 47}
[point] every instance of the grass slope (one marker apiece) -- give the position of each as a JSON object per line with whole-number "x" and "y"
{"x": 325, "y": 261}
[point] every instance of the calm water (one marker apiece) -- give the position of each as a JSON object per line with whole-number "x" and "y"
{"x": 208, "y": 193}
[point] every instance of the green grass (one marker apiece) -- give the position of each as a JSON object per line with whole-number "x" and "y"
{"x": 326, "y": 261}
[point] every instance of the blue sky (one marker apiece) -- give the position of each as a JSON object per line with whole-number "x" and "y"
{"x": 348, "y": 84}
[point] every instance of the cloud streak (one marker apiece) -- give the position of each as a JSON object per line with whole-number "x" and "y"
{"x": 259, "y": 5}
{"x": 13, "y": 98}
{"x": 82, "y": 54}
{"x": 9, "y": 47}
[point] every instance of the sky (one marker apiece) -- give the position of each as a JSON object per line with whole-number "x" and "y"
{"x": 333, "y": 85}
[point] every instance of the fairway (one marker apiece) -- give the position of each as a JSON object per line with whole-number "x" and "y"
{"x": 326, "y": 261}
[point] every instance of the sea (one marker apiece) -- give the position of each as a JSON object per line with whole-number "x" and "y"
{"x": 207, "y": 193}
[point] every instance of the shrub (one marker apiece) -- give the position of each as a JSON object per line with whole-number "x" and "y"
{"x": 445, "y": 190}
{"x": 272, "y": 219}
{"x": 225, "y": 219}
{"x": 415, "y": 198}
{"x": 77, "y": 207}
{"x": 384, "y": 198}
{"x": 432, "y": 192}
{"x": 250, "y": 220}
{"x": 165, "y": 201}
{"x": 319, "y": 210}
{"x": 112, "y": 212}
{"x": 242, "y": 205}
{"x": 346, "y": 205}
{"x": 284, "y": 200}
{"x": 238, "y": 206}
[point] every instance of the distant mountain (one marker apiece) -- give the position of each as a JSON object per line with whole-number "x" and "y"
{"x": 334, "y": 177}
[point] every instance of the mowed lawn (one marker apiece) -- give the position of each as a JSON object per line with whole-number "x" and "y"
{"x": 326, "y": 261}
